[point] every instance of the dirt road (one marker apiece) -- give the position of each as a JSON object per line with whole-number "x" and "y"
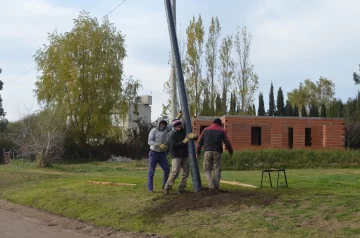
{"x": 18, "y": 221}
{"x": 14, "y": 225}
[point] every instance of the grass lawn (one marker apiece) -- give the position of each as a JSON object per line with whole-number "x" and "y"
{"x": 318, "y": 202}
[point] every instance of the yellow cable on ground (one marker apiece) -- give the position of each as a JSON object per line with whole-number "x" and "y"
{"x": 238, "y": 184}
{"x": 111, "y": 183}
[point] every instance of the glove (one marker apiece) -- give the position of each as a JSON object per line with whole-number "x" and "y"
{"x": 186, "y": 140}
{"x": 191, "y": 136}
{"x": 179, "y": 115}
{"x": 163, "y": 147}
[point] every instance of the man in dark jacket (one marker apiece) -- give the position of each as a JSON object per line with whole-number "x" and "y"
{"x": 178, "y": 150}
{"x": 212, "y": 138}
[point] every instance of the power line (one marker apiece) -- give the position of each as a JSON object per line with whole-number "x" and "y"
{"x": 35, "y": 67}
{"x": 115, "y": 8}
{"x": 19, "y": 76}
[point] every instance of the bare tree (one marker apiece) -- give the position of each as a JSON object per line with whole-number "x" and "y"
{"x": 42, "y": 133}
{"x": 226, "y": 70}
{"x": 246, "y": 80}
{"x": 211, "y": 53}
{"x": 167, "y": 85}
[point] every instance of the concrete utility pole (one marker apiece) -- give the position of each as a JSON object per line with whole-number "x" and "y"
{"x": 174, "y": 104}
{"x": 195, "y": 174}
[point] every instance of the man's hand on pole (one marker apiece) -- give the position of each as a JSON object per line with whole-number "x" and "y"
{"x": 179, "y": 115}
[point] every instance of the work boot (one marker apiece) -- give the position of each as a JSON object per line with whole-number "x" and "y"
{"x": 166, "y": 190}
{"x": 181, "y": 191}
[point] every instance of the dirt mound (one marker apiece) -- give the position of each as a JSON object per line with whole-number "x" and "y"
{"x": 174, "y": 202}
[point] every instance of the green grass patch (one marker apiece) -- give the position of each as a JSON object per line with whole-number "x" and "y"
{"x": 318, "y": 202}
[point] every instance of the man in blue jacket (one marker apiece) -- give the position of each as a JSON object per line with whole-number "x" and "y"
{"x": 158, "y": 141}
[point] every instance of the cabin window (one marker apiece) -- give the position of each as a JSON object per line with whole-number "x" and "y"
{"x": 255, "y": 135}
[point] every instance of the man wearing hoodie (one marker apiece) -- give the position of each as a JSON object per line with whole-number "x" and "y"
{"x": 179, "y": 153}
{"x": 212, "y": 138}
{"x": 157, "y": 140}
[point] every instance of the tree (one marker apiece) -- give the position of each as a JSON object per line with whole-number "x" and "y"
{"x": 352, "y": 119}
{"x": 3, "y": 124}
{"x": 165, "y": 112}
{"x": 261, "y": 108}
{"x": 226, "y": 72}
{"x": 249, "y": 111}
{"x": 323, "y": 110}
{"x": 303, "y": 111}
{"x": 167, "y": 85}
{"x": 193, "y": 64}
{"x": 356, "y": 77}
{"x": 3, "y": 121}
{"x": 314, "y": 111}
{"x": 81, "y": 76}
{"x": 211, "y": 51}
{"x": 219, "y": 106}
{"x": 42, "y": 133}
{"x": 236, "y": 111}
{"x": 137, "y": 138}
{"x": 296, "y": 110}
{"x": 298, "y": 96}
{"x": 280, "y": 103}
{"x": 289, "y": 112}
{"x": 309, "y": 92}
{"x": 166, "y": 107}
{"x": 271, "y": 111}
{"x": 206, "y": 108}
{"x": 130, "y": 92}
{"x": 336, "y": 108}
{"x": 247, "y": 81}
{"x": 253, "y": 110}
{"x": 232, "y": 110}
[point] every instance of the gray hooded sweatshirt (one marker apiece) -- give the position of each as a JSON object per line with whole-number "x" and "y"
{"x": 157, "y": 137}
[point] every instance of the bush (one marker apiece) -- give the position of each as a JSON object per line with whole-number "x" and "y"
{"x": 135, "y": 145}
{"x": 292, "y": 159}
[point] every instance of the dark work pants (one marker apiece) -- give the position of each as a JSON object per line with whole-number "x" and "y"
{"x": 154, "y": 159}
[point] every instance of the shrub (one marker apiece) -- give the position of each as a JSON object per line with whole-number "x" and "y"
{"x": 294, "y": 159}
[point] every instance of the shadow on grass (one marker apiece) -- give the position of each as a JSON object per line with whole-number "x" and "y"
{"x": 173, "y": 203}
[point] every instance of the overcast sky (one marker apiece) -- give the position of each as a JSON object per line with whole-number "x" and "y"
{"x": 292, "y": 40}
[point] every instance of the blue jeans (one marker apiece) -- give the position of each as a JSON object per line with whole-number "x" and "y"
{"x": 154, "y": 159}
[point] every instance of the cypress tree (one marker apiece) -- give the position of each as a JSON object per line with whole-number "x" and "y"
{"x": 261, "y": 108}
{"x": 303, "y": 111}
{"x": 271, "y": 111}
{"x": 323, "y": 110}
{"x": 296, "y": 111}
{"x": 280, "y": 103}
{"x": 288, "y": 109}
{"x": 219, "y": 106}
